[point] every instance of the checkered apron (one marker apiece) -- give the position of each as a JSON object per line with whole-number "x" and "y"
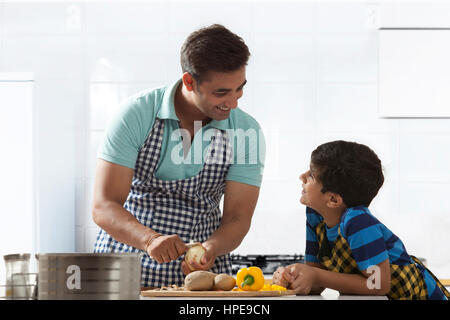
{"x": 186, "y": 207}
{"x": 407, "y": 282}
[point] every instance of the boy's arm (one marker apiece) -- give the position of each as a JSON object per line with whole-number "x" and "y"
{"x": 355, "y": 283}
{"x": 308, "y": 279}
{"x": 315, "y": 288}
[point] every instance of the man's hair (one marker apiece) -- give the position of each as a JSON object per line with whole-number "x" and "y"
{"x": 213, "y": 48}
{"x": 349, "y": 169}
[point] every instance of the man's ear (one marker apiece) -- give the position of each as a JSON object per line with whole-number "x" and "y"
{"x": 334, "y": 200}
{"x": 188, "y": 81}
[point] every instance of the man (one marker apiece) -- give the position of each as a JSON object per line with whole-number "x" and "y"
{"x": 155, "y": 190}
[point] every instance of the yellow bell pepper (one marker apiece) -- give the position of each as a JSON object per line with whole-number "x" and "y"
{"x": 267, "y": 287}
{"x": 250, "y": 279}
{"x": 273, "y": 287}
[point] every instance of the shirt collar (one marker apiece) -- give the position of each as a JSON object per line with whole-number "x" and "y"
{"x": 222, "y": 124}
{"x": 167, "y": 110}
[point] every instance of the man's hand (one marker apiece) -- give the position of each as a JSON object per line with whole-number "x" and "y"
{"x": 166, "y": 248}
{"x": 206, "y": 263}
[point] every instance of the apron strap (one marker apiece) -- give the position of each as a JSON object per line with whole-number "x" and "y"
{"x": 440, "y": 285}
{"x": 324, "y": 244}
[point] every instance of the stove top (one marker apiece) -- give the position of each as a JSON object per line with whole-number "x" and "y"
{"x": 267, "y": 262}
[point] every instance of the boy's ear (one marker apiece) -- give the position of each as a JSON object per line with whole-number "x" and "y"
{"x": 334, "y": 200}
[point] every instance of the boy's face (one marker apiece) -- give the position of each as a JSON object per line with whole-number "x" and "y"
{"x": 312, "y": 195}
{"x": 219, "y": 94}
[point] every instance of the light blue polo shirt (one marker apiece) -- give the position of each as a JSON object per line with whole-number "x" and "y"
{"x": 128, "y": 131}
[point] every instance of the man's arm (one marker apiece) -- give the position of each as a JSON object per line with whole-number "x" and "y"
{"x": 112, "y": 185}
{"x": 111, "y": 188}
{"x": 238, "y": 207}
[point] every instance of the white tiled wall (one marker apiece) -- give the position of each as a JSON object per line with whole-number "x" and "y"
{"x": 312, "y": 78}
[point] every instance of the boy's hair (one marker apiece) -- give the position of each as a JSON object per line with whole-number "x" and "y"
{"x": 213, "y": 48}
{"x": 349, "y": 169}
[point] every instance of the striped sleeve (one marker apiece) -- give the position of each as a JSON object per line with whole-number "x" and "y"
{"x": 312, "y": 245}
{"x": 364, "y": 234}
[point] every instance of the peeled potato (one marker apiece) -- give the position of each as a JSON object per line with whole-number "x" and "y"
{"x": 195, "y": 253}
{"x": 224, "y": 282}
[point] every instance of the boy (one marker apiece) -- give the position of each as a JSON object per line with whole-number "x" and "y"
{"x": 347, "y": 248}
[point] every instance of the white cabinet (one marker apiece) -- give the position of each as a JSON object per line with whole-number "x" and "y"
{"x": 17, "y": 161}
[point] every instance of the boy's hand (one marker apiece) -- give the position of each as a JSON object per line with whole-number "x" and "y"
{"x": 282, "y": 277}
{"x": 305, "y": 276}
{"x": 299, "y": 277}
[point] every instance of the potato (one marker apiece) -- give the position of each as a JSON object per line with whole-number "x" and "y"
{"x": 194, "y": 253}
{"x": 199, "y": 281}
{"x": 224, "y": 282}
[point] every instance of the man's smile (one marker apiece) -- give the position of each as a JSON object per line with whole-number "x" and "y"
{"x": 223, "y": 108}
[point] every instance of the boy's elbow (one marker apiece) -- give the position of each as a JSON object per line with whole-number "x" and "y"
{"x": 386, "y": 283}
{"x": 379, "y": 279}
{"x": 380, "y": 288}
{"x": 385, "y": 286}
{"x": 384, "y": 290}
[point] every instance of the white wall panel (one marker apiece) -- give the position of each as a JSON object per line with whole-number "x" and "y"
{"x": 414, "y": 73}
{"x": 42, "y": 18}
{"x": 424, "y": 126}
{"x": 94, "y": 140}
{"x": 196, "y": 14}
{"x": 289, "y": 17}
{"x": 347, "y": 16}
{"x": 114, "y": 17}
{"x": 49, "y": 57}
{"x": 425, "y": 158}
{"x": 273, "y": 100}
{"x": 347, "y": 57}
{"x": 126, "y": 59}
{"x": 338, "y": 105}
{"x": 107, "y": 99}
{"x": 89, "y": 196}
{"x": 283, "y": 57}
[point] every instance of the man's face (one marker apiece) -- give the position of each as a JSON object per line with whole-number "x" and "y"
{"x": 312, "y": 195}
{"x": 217, "y": 95}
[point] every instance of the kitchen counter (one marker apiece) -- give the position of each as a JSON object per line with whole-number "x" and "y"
{"x": 327, "y": 294}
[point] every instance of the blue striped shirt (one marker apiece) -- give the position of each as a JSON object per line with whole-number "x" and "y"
{"x": 370, "y": 241}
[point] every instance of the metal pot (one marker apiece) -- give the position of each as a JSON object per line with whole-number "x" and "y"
{"x": 88, "y": 276}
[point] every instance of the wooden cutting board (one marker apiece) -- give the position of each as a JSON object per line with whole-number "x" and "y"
{"x": 187, "y": 293}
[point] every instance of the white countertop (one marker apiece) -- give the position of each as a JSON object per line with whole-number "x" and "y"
{"x": 327, "y": 294}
